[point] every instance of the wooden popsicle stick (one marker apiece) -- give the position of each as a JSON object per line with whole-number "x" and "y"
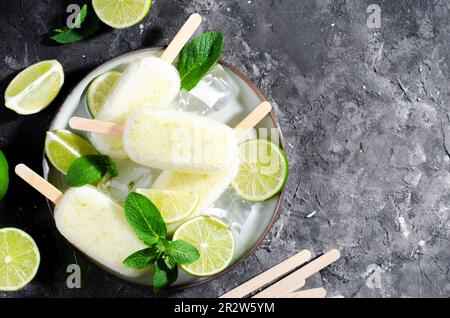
{"x": 252, "y": 120}
{"x": 182, "y": 37}
{"x": 96, "y": 126}
{"x": 268, "y": 276}
{"x": 309, "y": 293}
{"x": 291, "y": 282}
{"x": 39, "y": 183}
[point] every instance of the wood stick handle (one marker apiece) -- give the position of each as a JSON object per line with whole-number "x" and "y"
{"x": 252, "y": 120}
{"x": 96, "y": 126}
{"x": 39, "y": 183}
{"x": 269, "y": 275}
{"x": 182, "y": 37}
{"x": 309, "y": 293}
{"x": 291, "y": 282}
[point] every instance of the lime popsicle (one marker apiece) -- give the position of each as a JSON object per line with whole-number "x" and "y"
{"x": 147, "y": 82}
{"x": 92, "y": 222}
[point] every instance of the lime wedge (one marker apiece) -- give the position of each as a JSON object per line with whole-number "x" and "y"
{"x": 35, "y": 87}
{"x": 19, "y": 259}
{"x": 99, "y": 90}
{"x": 263, "y": 170}
{"x": 123, "y": 13}
{"x": 174, "y": 206}
{"x": 213, "y": 239}
{"x": 62, "y": 147}
{"x": 4, "y": 176}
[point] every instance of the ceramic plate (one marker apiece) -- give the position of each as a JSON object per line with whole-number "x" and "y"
{"x": 250, "y": 222}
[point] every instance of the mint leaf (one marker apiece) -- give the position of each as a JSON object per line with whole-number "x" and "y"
{"x": 81, "y": 16}
{"x": 145, "y": 219}
{"x": 89, "y": 24}
{"x": 89, "y": 169}
{"x": 198, "y": 57}
{"x": 163, "y": 275}
{"x": 142, "y": 259}
{"x": 182, "y": 252}
{"x": 169, "y": 261}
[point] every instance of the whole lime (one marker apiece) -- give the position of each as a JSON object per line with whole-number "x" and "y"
{"x": 4, "y": 177}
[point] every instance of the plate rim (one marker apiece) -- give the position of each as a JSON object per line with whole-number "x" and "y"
{"x": 278, "y": 205}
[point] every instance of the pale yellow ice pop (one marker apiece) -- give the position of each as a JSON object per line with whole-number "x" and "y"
{"x": 175, "y": 140}
{"x": 147, "y": 82}
{"x": 92, "y": 222}
{"x": 211, "y": 186}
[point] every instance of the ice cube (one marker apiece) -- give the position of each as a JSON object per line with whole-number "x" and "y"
{"x": 131, "y": 177}
{"x": 233, "y": 208}
{"x": 213, "y": 93}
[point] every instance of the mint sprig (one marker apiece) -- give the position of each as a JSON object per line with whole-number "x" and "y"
{"x": 148, "y": 224}
{"x": 89, "y": 170}
{"x": 86, "y": 24}
{"x": 198, "y": 57}
{"x": 145, "y": 219}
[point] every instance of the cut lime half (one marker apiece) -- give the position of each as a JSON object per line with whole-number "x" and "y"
{"x": 35, "y": 87}
{"x": 19, "y": 259}
{"x": 4, "y": 175}
{"x": 121, "y": 14}
{"x": 175, "y": 206}
{"x": 263, "y": 170}
{"x": 213, "y": 239}
{"x": 99, "y": 90}
{"x": 62, "y": 147}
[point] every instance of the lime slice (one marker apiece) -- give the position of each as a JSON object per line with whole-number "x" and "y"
{"x": 19, "y": 259}
{"x": 99, "y": 90}
{"x": 263, "y": 170}
{"x": 123, "y": 13}
{"x": 35, "y": 87}
{"x": 174, "y": 206}
{"x": 4, "y": 176}
{"x": 213, "y": 239}
{"x": 62, "y": 147}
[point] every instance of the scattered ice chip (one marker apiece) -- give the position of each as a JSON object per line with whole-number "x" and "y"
{"x": 213, "y": 93}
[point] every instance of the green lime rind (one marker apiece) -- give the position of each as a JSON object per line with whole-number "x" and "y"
{"x": 62, "y": 147}
{"x": 131, "y": 12}
{"x": 4, "y": 175}
{"x": 258, "y": 181}
{"x": 34, "y": 88}
{"x": 19, "y": 259}
{"x": 175, "y": 206}
{"x": 213, "y": 239}
{"x": 99, "y": 90}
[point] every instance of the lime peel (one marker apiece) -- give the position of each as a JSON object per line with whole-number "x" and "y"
{"x": 31, "y": 90}
{"x": 131, "y": 11}
{"x": 213, "y": 239}
{"x": 19, "y": 259}
{"x": 260, "y": 178}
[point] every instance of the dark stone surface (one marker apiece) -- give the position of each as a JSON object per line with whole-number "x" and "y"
{"x": 364, "y": 112}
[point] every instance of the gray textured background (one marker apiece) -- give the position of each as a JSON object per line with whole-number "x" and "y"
{"x": 364, "y": 112}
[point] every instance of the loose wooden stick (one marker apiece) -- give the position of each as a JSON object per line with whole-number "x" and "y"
{"x": 39, "y": 183}
{"x": 252, "y": 120}
{"x": 269, "y": 275}
{"x": 97, "y": 126}
{"x": 179, "y": 41}
{"x": 309, "y": 293}
{"x": 290, "y": 283}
